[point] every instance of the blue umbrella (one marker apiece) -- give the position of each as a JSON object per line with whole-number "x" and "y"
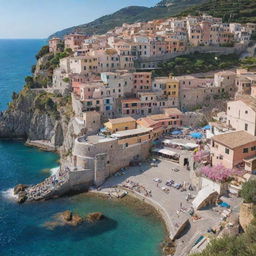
{"x": 176, "y": 132}
{"x": 196, "y": 135}
{"x": 207, "y": 127}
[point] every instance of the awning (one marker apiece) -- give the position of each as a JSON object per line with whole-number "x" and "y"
{"x": 191, "y": 145}
{"x": 165, "y": 151}
{"x": 166, "y": 141}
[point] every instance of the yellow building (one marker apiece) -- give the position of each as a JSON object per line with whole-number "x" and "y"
{"x": 120, "y": 124}
{"x": 172, "y": 88}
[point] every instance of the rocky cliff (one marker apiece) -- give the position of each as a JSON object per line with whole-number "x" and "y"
{"x": 246, "y": 215}
{"x": 41, "y": 116}
{"x": 37, "y": 114}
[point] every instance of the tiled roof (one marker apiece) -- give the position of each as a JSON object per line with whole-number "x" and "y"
{"x": 122, "y": 120}
{"x": 233, "y": 140}
{"x": 172, "y": 111}
{"x": 249, "y": 101}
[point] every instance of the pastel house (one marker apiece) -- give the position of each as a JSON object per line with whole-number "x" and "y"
{"x": 120, "y": 124}
{"x": 234, "y": 149}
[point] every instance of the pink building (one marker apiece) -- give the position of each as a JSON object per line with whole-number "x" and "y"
{"x": 233, "y": 149}
{"x": 141, "y": 81}
{"x": 74, "y": 41}
{"x": 54, "y": 44}
{"x": 172, "y": 118}
{"x": 131, "y": 106}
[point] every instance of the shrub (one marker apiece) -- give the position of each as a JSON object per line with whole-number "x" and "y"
{"x": 33, "y": 69}
{"x": 218, "y": 172}
{"x": 44, "y": 50}
{"x": 248, "y": 192}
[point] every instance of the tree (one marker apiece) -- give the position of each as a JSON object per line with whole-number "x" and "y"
{"x": 248, "y": 192}
{"x": 29, "y": 81}
{"x": 44, "y": 50}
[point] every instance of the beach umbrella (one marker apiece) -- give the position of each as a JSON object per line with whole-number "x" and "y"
{"x": 176, "y": 132}
{"x": 207, "y": 127}
{"x": 196, "y": 135}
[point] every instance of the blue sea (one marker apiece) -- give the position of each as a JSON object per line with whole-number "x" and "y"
{"x": 127, "y": 231}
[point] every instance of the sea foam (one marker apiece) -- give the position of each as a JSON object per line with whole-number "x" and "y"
{"x": 54, "y": 171}
{"x": 9, "y": 194}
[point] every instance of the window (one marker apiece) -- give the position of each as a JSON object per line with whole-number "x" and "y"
{"x": 227, "y": 151}
{"x": 245, "y": 150}
{"x": 245, "y": 127}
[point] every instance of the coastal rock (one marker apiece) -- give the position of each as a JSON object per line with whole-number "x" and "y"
{"x": 18, "y": 188}
{"x": 72, "y": 219}
{"x": 94, "y": 217}
{"x": 67, "y": 215}
{"x": 168, "y": 247}
{"x": 22, "y": 197}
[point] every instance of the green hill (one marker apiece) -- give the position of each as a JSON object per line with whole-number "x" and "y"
{"x": 230, "y": 10}
{"x": 131, "y": 14}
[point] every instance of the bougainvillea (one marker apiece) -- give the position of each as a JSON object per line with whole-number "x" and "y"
{"x": 201, "y": 155}
{"x": 219, "y": 172}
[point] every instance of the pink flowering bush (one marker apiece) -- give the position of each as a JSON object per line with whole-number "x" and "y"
{"x": 219, "y": 172}
{"x": 201, "y": 155}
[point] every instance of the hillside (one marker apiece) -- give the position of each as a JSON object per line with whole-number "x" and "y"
{"x": 131, "y": 14}
{"x": 230, "y": 10}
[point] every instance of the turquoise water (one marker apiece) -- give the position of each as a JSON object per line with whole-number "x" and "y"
{"x": 125, "y": 232}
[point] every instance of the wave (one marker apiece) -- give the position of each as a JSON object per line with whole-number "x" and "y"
{"x": 54, "y": 171}
{"x": 9, "y": 194}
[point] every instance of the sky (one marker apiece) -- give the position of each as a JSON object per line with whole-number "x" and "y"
{"x": 40, "y": 18}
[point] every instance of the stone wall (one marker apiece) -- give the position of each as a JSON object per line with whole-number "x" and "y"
{"x": 152, "y": 62}
{"x": 106, "y": 158}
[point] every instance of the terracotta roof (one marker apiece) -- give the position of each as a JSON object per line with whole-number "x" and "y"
{"x": 122, "y": 120}
{"x": 159, "y": 117}
{"x": 233, "y": 140}
{"x": 172, "y": 111}
{"x": 146, "y": 121}
{"x": 130, "y": 100}
{"x": 249, "y": 101}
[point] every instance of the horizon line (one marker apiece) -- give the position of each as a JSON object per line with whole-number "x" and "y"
{"x": 23, "y": 38}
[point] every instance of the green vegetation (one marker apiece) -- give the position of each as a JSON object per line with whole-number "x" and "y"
{"x": 230, "y": 10}
{"x": 243, "y": 244}
{"x": 248, "y": 191}
{"x": 66, "y": 80}
{"x": 196, "y": 63}
{"x": 253, "y": 36}
{"x": 249, "y": 63}
{"x": 44, "y": 50}
{"x": 44, "y": 103}
{"x": 47, "y": 65}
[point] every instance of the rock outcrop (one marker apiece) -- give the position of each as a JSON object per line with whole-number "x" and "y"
{"x": 25, "y": 120}
{"x": 94, "y": 217}
{"x": 18, "y": 188}
{"x": 246, "y": 215}
{"x": 72, "y": 219}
